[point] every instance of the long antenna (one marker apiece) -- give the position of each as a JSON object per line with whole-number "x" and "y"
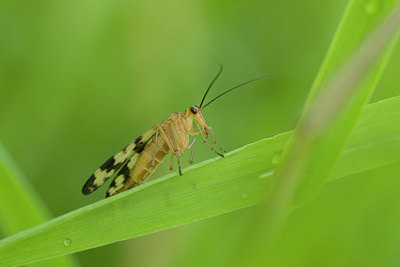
{"x": 211, "y": 84}
{"x": 237, "y": 86}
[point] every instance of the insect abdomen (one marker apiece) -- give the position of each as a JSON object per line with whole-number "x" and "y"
{"x": 145, "y": 165}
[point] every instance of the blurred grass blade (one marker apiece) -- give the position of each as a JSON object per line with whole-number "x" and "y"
{"x": 16, "y": 194}
{"x": 353, "y": 65}
{"x": 211, "y": 188}
{"x": 328, "y": 121}
{"x": 20, "y": 207}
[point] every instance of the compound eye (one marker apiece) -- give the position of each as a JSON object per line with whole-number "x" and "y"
{"x": 193, "y": 110}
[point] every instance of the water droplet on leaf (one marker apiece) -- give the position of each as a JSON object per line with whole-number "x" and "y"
{"x": 67, "y": 242}
{"x": 275, "y": 158}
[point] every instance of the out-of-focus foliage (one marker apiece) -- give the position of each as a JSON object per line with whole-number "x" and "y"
{"x": 80, "y": 79}
{"x": 20, "y": 207}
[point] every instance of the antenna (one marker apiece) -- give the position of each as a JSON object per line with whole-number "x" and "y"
{"x": 211, "y": 84}
{"x": 227, "y": 91}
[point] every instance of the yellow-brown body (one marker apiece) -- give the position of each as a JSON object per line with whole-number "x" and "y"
{"x": 138, "y": 160}
{"x": 172, "y": 134}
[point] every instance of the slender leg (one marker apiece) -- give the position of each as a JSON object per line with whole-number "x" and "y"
{"x": 174, "y": 142}
{"x": 166, "y": 139}
{"x": 179, "y": 166}
{"x": 171, "y": 167}
{"x": 192, "y": 152}
{"x": 150, "y": 170}
{"x": 155, "y": 147}
{"x": 175, "y": 137}
{"x": 214, "y": 141}
{"x": 193, "y": 131}
{"x": 205, "y": 141}
{"x": 172, "y": 147}
{"x": 146, "y": 176}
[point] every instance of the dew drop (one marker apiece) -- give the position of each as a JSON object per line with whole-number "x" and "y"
{"x": 275, "y": 158}
{"x": 67, "y": 242}
{"x": 244, "y": 195}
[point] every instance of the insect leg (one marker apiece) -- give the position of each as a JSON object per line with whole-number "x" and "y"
{"x": 192, "y": 152}
{"x": 176, "y": 150}
{"x": 171, "y": 167}
{"x": 150, "y": 170}
{"x": 214, "y": 141}
{"x": 170, "y": 146}
{"x": 205, "y": 140}
{"x": 155, "y": 147}
{"x": 179, "y": 165}
{"x": 166, "y": 139}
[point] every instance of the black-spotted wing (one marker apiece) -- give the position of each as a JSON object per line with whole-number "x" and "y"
{"x": 119, "y": 165}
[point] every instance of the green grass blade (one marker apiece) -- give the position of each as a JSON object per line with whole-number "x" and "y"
{"x": 207, "y": 189}
{"x": 20, "y": 207}
{"x": 366, "y": 47}
{"x": 16, "y": 195}
{"x": 356, "y": 59}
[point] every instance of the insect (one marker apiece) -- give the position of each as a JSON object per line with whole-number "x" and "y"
{"x": 134, "y": 164}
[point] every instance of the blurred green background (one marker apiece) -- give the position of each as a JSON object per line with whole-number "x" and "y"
{"x": 81, "y": 79}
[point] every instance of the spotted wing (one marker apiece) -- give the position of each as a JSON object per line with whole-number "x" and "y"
{"x": 117, "y": 164}
{"x": 121, "y": 178}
